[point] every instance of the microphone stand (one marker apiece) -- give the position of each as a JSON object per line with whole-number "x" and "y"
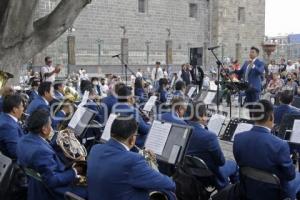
{"x": 220, "y": 64}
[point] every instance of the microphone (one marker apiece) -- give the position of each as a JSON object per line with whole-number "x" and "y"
{"x": 212, "y": 48}
{"x": 115, "y": 56}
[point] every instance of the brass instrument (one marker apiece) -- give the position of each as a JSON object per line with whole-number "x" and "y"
{"x": 73, "y": 150}
{"x": 149, "y": 158}
{"x": 4, "y": 76}
{"x": 71, "y": 94}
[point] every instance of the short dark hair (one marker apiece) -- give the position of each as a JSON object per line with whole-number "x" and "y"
{"x": 94, "y": 79}
{"x": 177, "y": 101}
{"x": 138, "y": 83}
{"x": 261, "y": 115}
{"x": 157, "y": 63}
{"x": 37, "y": 120}
{"x": 86, "y": 85}
{"x": 57, "y": 85}
{"x": 163, "y": 81}
{"x": 179, "y": 85}
{"x": 47, "y": 58}
{"x": 255, "y": 49}
{"x": 286, "y": 96}
{"x": 123, "y": 93}
{"x": 199, "y": 110}
{"x": 10, "y": 102}
{"x": 44, "y": 87}
{"x": 122, "y": 129}
{"x": 35, "y": 83}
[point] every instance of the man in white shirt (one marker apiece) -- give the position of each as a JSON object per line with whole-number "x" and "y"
{"x": 48, "y": 72}
{"x": 157, "y": 73}
{"x": 290, "y": 67}
{"x": 139, "y": 74}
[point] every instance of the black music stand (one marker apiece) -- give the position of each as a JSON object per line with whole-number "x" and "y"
{"x": 231, "y": 127}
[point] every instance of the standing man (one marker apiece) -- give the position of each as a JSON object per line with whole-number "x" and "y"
{"x": 157, "y": 73}
{"x": 48, "y": 72}
{"x": 252, "y": 73}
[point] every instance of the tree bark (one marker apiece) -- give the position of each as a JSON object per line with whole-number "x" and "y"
{"x": 21, "y": 38}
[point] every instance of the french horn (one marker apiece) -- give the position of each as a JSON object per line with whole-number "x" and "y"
{"x": 74, "y": 151}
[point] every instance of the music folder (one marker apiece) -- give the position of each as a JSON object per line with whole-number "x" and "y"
{"x": 294, "y": 135}
{"x": 168, "y": 141}
{"x": 80, "y": 120}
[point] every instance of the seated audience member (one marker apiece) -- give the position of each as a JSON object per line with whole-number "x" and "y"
{"x": 177, "y": 113}
{"x": 10, "y": 129}
{"x": 34, "y": 90}
{"x": 286, "y": 98}
{"x": 139, "y": 91}
{"x": 117, "y": 173}
{"x": 96, "y": 86}
{"x": 180, "y": 89}
{"x": 162, "y": 90}
{"x": 125, "y": 107}
{"x": 59, "y": 91}
{"x": 273, "y": 87}
{"x": 259, "y": 149}
{"x": 205, "y": 145}
{"x": 290, "y": 84}
{"x": 34, "y": 152}
{"x": 43, "y": 100}
{"x": 112, "y": 98}
{"x": 5, "y": 91}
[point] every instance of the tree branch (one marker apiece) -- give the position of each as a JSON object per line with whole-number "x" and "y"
{"x": 18, "y": 21}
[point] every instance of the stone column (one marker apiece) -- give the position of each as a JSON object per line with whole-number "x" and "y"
{"x": 238, "y": 52}
{"x": 169, "y": 52}
{"x": 71, "y": 52}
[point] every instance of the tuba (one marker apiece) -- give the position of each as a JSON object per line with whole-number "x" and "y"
{"x": 73, "y": 151}
{"x": 71, "y": 94}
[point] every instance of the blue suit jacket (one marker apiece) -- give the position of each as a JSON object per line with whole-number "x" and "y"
{"x": 36, "y": 104}
{"x": 172, "y": 118}
{"x": 283, "y": 109}
{"x": 255, "y": 74}
{"x": 140, "y": 93}
{"x": 163, "y": 96}
{"x": 58, "y": 96}
{"x": 33, "y": 95}
{"x": 10, "y": 134}
{"x": 59, "y": 117}
{"x": 109, "y": 102}
{"x": 98, "y": 109}
{"x": 259, "y": 149}
{"x": 125, "y": 109}
{"x": 117, "y": 174}
{"x": 37, "y": 154}
{"x": 205, "y": 145}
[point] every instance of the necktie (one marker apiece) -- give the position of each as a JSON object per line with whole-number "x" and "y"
{"x": 155, "y": 77}
{"x": 248, "y": 71}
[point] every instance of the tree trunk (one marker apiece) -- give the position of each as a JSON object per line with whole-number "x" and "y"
{"x": 21, "y": 38}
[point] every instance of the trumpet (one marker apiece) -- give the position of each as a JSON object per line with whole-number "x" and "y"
{"x": 151, "y": 160}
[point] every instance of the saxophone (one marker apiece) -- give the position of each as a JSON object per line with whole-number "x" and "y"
{"x": 151, "y": 160}
{"x": 74, "y": 151}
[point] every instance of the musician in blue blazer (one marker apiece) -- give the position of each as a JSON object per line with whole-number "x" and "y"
{"x": 34, "y": 152}
{"x": 177, "y": 113}
{"x": 139, "y": 91}
{"x": 10, "y": 129}
{"x": 45, "y": 97}
{"x": 116, "y": 173}
{"x": 204, "y": 144}
{"x": 111, "y": 99}
{"x": 162, "y": 90}
{"x": 180, "y": 89}
{"x": 59, "y": 91}
{"x": 258, "y": 148}
{"x": 285, "y": 107}
{"x": 34, "y": 90}
{"x": 125, "y": 107}
{"x": 252, "y": 73}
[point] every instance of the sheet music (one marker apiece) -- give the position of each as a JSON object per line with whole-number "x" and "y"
{"x": 295, "y": 138}
{"x": 191, "y": 91}
{"x": 215, "y": 123}
{"x": 158, "y": 136}
{"x": 84, "y": 98}
{"x": 106, "y": 133}
{"x": 212, "y": 85}
{"x": 150, "y": 103}
{"x": 209, "y": 97}
{"x": 77, "y": 117}
{"x": 242, "y": 127}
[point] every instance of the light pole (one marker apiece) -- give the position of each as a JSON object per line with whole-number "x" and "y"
{"x": 148, "y": 50}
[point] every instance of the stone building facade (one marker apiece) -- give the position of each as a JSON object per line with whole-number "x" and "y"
{"x": 191, "y": 26}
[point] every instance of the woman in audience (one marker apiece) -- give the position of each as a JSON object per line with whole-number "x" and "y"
{"x": 273, "y": 87}
{"x": 290, "y": 84}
